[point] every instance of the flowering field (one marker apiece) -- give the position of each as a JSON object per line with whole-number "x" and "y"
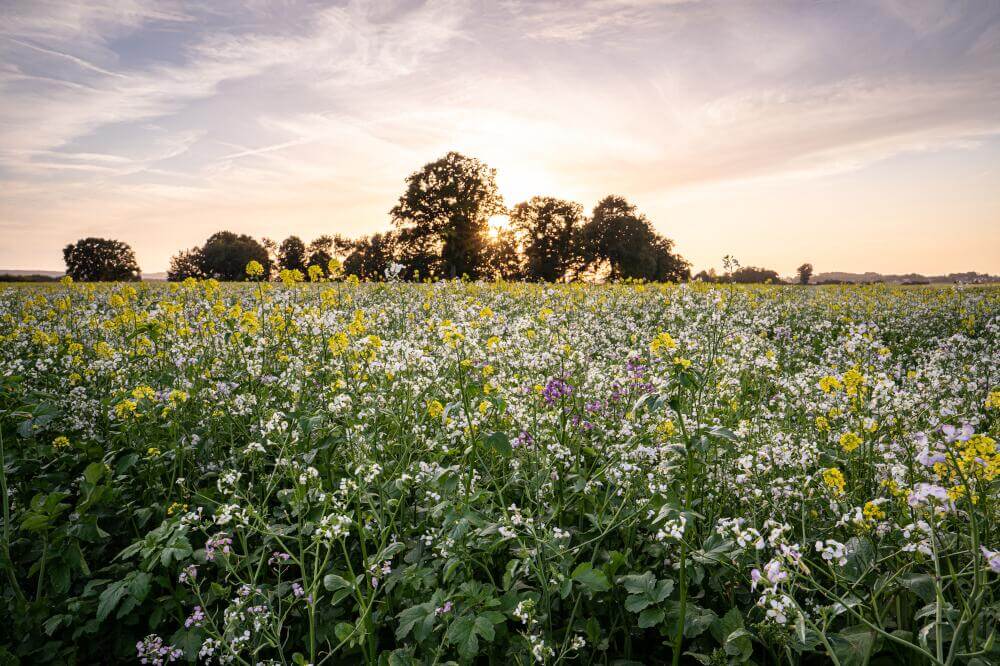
{"x": 453, "y": 473}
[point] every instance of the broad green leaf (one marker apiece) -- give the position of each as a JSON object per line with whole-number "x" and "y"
{"x": 592, "y": 579}
{"x": 651, "y": 617}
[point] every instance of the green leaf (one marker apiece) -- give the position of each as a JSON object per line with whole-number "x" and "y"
{"x": 342, "y": 630}
{"x": 138, "y": 585}
{"x": 419, "y": 619}
{"x": 860, "y": 558}
{"x": 726, "y": 625}
{"x": 921, "y": 585}
{"x": 645, "y": 590}
{"x": 333, "y": 582}
{"x": 592, "y": 579}
{"x": 93, "y": 473}
{"x": 462, "y": 634}
{"x": 500, "y": 443}
{"x": 109, "y": 599}
{"x": 638, "y": 583}
{"x": 485, "y": 628}
{"x": 697, "y": 620}
{"x": 853, "y": 646}
{"x": 651, "y": 617}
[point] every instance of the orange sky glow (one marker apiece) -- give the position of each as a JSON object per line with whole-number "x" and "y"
{"x": 854, "y": 135}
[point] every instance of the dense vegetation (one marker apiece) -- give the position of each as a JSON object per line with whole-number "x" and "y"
{"x": 506, "y": 473}
{"x": 442, "y": 229}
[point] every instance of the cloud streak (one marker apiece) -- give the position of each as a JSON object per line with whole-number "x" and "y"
{"x": 117, "y": 115}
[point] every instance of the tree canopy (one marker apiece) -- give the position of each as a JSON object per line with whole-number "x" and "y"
{"x": 442, "y": 230}
{"x": 100, "y": 260}
{"x": 443, "y": 215}
{"x": 621, "y": 243}
{"x": 224, "y": 256}
{"x": 551, "y": 232}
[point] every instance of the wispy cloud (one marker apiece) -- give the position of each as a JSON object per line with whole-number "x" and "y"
{"x": 231, "y": 113}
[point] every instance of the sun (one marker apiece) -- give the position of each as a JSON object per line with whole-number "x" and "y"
{"x": 497, "y": 225}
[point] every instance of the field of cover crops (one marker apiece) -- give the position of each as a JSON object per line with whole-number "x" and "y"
{"x": 506, "y": 474}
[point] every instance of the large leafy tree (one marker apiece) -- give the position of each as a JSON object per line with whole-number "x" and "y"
{"x": 224, "y": 256}
{"x": 621, "y": 243}
{"x": 551, "y": 233}
{"x": 185, "y": 264}
{"x": 445, "y": 211}
{"x": 371, "y": 257}
{"x": 805, "y": 272}
{"x": 292, "y": 254}
{"x": 100, "y": 260}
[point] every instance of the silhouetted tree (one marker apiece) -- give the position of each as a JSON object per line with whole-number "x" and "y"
{"x": 292, "y": 254}
{"x": 185, "y": 264}
{"x": 805, "y": 272}
{"x": 100, "y": 260}
{"x": 502, "y": 258}
{"x": 621, "y": 243}
{"x": 754, "y": 275}
{"x": 446, "y": 207}
{"x": 552, "y": 235}
{"x": 320, "y": 252}
{"x": 224, "y": 256}
{"x": 371, "y": 257}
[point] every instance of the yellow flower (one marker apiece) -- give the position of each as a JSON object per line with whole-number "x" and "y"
{"x": 254, "y": 268}
{"x": 873, "y": 512}
{"x": 141, "y": 392}
{"x": 290, "y": 277}
{"x": 125, "y": 408}
{"x": 334, "y": 268}
{"x": 435, "y": 409}
{"x": 315, "y": 273}
{"x": 830, "y": 383}
{"x": 176, "y": 506}
{"x": 853, "y": 381}
{"x": 662, "y": 342}
{"x": 850, "y": 441}
{"x": 666, "y": 428}
{"x": 834, "y": 480}
{"x": 682, "y": 362}
{"x": 483, "y": 407}
{"x": 60, "y": 442}
{"x": 152, "y": 452}
{"x": 338, "y": 343}
{"x": 993, "y": 400}
{"x": 822, "y": 424}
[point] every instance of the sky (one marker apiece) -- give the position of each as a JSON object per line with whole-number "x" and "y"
{"x": 858, "y": 136}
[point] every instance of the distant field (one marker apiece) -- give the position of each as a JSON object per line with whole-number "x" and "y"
{"x": 503, "y": 473}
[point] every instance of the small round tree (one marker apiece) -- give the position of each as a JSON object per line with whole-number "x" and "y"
{"x": 100, "y": 260}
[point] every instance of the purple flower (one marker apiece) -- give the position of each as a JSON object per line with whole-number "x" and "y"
{"x": 992, "y": 558}
{"x": 953, "y": 435}
{"x": 151, "y": 650}
{"x": 556, "y": 390}
{"x": 217, "y": 542}
{"x": 196, "y": 618}
{"x": 925, "y": 493}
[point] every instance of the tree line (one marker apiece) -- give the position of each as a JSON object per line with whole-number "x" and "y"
{"x": 441, "y": 229}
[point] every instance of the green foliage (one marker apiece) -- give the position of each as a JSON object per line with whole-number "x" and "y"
{"x": 466, "y": 473}
{"x": 100, "y": 260}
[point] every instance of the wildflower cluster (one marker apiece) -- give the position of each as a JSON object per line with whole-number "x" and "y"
{"x": 326, "y": 471}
